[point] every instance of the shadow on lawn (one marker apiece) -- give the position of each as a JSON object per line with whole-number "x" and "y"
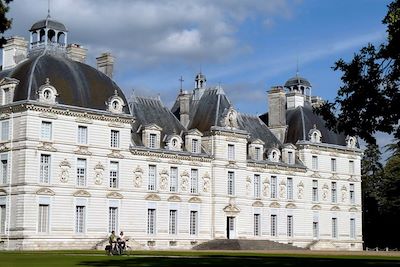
{"x": 236, "y": 261}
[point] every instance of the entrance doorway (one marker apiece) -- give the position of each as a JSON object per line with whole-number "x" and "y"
{"x": 230, "y": 227}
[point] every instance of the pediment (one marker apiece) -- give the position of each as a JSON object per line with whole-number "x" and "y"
{"x": 257, "y": 142}
{"x": 194, "y": 132}
{"x": 115, "y": 195}
{"x": 275, "y": 205}
{"x": 258, "y": 204}
{"x": 290, "y": 206}
{"x": 45, "y": 191}
{"x": 335, "y": 208}
{"x": 152, "y": 126}
{"x": 174, "y": 199}
{"x": 194, "y": 200}
{"x": 8, "y": 80}
{"x": 231, "y": 208}
{"x": 3, "y": 192}
{"x": 316, "y": 207}
{"x": 353, "y": 209}
{"x": 81, "y": 193}
{"x": 316, "y": 175}
{"x": 153, "y": 196}
{"x": 289, "y": 146}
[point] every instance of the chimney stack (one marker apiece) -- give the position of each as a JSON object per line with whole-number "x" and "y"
{"x": 76, "y": 52}
{"x": 277, "y": 112}
{"x": 14, "y": 51}
{"x": 105, "y": 64}
{"x": 184, "y": 99}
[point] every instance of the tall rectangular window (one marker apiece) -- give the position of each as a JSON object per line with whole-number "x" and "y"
{"x": 334, "y": 192}
{"x": 351, "y": 166}
{"x": 81, "y": 172}
{"x": 315, "y": 190}
{"x": 153, "y": 140}
{"x": 193, "y": 222}
{"x": 352, "y": 228}
{"x": 257, "y": 186}
{"x": 290, "y": 225}
{"x": 151, "y": 221}
{"x": 82, "y": 135}
{"x": 315, "y": 162}
{"x": 274, "y": 224}
{"x": 333, "y": 165}
{"x": 43, "y": 218}
{"x": 4, "y": 169}
{"x": 315, "y": 229}
{"x": 152, "y": 178}
{"x": 5, "y": 130}
{"x": 194, "y": 181}
{"x": 334, "y": 228}
{"x": 195, "y": 146}
{"x": 114, "y": 142}
{"x": 80, "y": 219}
{"x": 44, "y": 169}
{"x": 45, "y": 133}
{"x": 352, "y": 194}
{"x": 2, "y": 219}
{"x": 173, "y": 222}
{"x": 273, "y": 187}
{"x": 112, "y": 219}
{"x": 7, "y": 97}
{"x": 289, "y": 184}
{"x": 231, "y": 183}
{"x": 231, "y": 152}
{"x": 258, "y": 153}
{"x": 290, "y": 157}
{"x": 114, "y": 174}
{"x": 173, "y": 182}
{"x": 257, "y": 224}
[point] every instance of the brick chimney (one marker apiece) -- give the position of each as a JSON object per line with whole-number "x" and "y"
{"x": 277, "y": 112}
{"x": 14, "y": 51}
{"x": 105, "y": 64}
{"x": 76, "y": 52}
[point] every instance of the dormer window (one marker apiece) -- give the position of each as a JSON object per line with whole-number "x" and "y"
{"x": 152, "y": 140}
{"x": 256, "y": 150}
{"x": 351, "y": 141}
{"x": 115, "y": 103}
{"x": 151, "y": 136}
{"x": 274, "y": 155}
{"x": 7, "y": 88}
{"x": 257, "y": 154}
{"x": 47, "y": 93}
{"x": 290, "y": 157}
{"x": 174, "y": 142}
{"x": 193, "y": 141}
{"x": 315, "y": 135}
{"x": 195, "y": 146}
{"x": 289, "y": 154}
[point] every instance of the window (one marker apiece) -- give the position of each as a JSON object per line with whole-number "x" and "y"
{"x": 152, "y": 178}
{"x": 151, "y": 221}
{"x": 315, "y": 230}
{"x": 273, "y": 186}
{"x": 152, "y": 140}
{"x": 114, "y": 174}
{"x": 173, "y": 222}
{"x": 314, "y": 162}
{"x": 193, "y": 222}
{"x": 81, "y": 172}
{"x": 290, "y": 157}
{"x": 334, "y": 192}
{"x": 44, "y": 169}
{"x": 2, "y": 219}
{"x": 289, "y": 184}
{"x": 114, "y": 138}
{"x": 7, "y": 98}
{"x": 112, "y": 219}
{"x": 4, "y": 169}
{"x": 195, "y": 146}
{"x": 334, "y": 228}
{"x": 314, "y": 190}
{"x": 333, "y": 165}
{"x": 80, "y": 219}
{"x": 231, "y": 152}
{"x": 257, "y": 224}
{"x": 194, "y": 184}
{"x": 5, "y": 131}
{"x": 258, "y": 153}
{"x": 45, "y": 131}
{"x": 351, "y": 166}
{"x": 290, "y": 225}
{"x": 257, "y": 186}
{"x": 273, "y": 225}
{"x": 82, "y": 135}
{"x": 173, "y": 182}
{"x": 352, "y": 228}
{"x": 43, "y": 218}
{"x": 352, "y": 194}
{"x": 231, "y": 183}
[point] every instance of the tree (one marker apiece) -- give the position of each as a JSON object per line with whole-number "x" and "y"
{"x": 5, "y": 23}
{"x": 368, "y": 100}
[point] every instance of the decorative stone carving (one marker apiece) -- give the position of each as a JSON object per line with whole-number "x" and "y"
{"x": 316, "y": 207}
{"x": 282, "y": 189}
{"x": 164, "y": 179}
{"x": 153, "y": 197}
{"x": 115, "y": 154}
{"x": 316, "y": 175}
{"x": 65, "y": 167}
{"x": 48, "y": 115}
{"x": 231, "y": 208}
{"x": 81, "y": 193}
{"x": 195, "y": 163}
{"x": 184, "y": 181}
{"x": 230, "y": 119}
{"x": 4, "y": 148}
{"x": 344, "y": 193}
{"x": 266, "y": 187}
{"x": 138, "y": 174}
{"x": 290, "y": 206}
{"x": 153, "y": 159}
{"x": 83, "y": 150}
{"x": 325, "y": 190}
{"x": 300, "y": 190}
{"x": 175, "y": 161}
{"x": 206, "y": 182}
{"x": 46, "y": 146}
{"x": 258, "y": 204}
{"x": 174, "y": 198}
{"x": 84, "y": 120}
{"x": 248, "y": 185}
{"x": 98, "y": 169}
{"x": 335, "y": 208}
{"x": 353, "y": 209}
{"x": 3, "y": 192}
{"x": 194, "y": 200}
{"x": 45, "y": 191}
{"x": 115, "y": 124}
{"x": 274, "y": 205}
{"x": 114, "y": 195}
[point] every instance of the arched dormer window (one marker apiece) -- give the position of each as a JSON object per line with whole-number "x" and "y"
{"x": 315, "y": 135}
{"x": 351, "y": 141}
{"x": 274, "y": 155}
{"x": 174, "y": 142}
{"x": 115, "y": 103}
{"x": 47, "y": 93}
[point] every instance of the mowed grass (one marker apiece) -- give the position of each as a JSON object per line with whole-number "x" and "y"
{"x": 195, "y": 258}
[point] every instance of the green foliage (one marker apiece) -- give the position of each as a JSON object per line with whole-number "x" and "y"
{"x": 368, "y": 100}
{"x": 5, "y": 23}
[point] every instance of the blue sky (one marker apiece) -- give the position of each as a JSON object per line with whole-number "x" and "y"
{"x": 245, "y": 45}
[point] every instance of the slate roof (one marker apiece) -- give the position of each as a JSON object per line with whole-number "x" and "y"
{"x": 77, "y": 84}
{"x": 48, "y": 23}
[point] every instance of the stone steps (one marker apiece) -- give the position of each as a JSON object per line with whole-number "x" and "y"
{"x": 239, "y": 244}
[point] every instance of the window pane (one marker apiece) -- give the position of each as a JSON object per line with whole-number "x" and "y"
{"x": 45, "y": 169}
{"x": 151, "y": 221}
{"x": 273, "y": 187}
{"x": 173, "y": 184}
{"x": 2, "y": 219}
{"x": 193, "y": 222}
{"x": 112, "y": 219}
{"x": 152, "y": 178}
{"x": 231, "y": 152}
{"x": 114, "y": 138}
{"x": 289, "y": 188}
{"x": 231, "y": 183}
{"x": 43, "y": 219}
{"x": 82, "y": 134}
{"x": 5, "y": 130}
{"x": 80, "y": 219}
{"x": 257, "y": 231}
{"x": 46, "y": 130}
{"x": 194, "y": 184}
{"x": 173, "y": 222}
{"x": 114, "y": 174}
{"x": 81, "y": 172}
{"x": 257, "y": 186}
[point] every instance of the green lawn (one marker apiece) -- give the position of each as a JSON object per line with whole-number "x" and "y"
{"x": 190, "y": 258}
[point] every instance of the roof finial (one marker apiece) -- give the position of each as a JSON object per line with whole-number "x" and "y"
{"x": 200, "y": 68}
{"x": 181, "y": 80}
{"x": 297, "y": 67}
{"x": 48, "y": 9}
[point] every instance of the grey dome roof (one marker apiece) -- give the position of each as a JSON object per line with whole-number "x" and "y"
{"x": 200, "y": 76}
{"x": 297, "y": 80}
{"x": 48, "y": 23}
{"x": 77, "y": 84}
